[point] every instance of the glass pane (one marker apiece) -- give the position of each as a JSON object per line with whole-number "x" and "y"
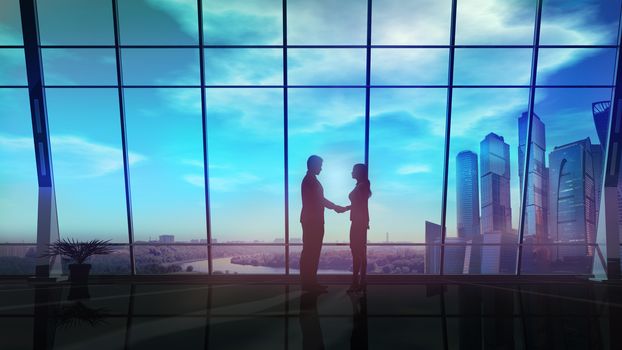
{"x": 576, "y": 66}
{"x": 406, "y": 152}
{"x": 149, "y": 22}
{"x": 164, "y": 127}
{"x": 246, "y": 189}
{"x": 241, "y": 22}
{"x": 409, "y": 67}
{"x": 326, "y": 22}
{"x": 329, "y": 123}
{"x": 492, "y": 67}
{"x": 13, "y": 67}
{"x": 115, "y": 263}
{"x": 235, "y": 260}
{"x": 161, "y": 67}
{"x": 85, "y": 136}
{"x": 10, "y": 23}
{"x": 75, "y": 22}
{"x": 558, "y": 258}
{"x": 565, "y": 180}
{"x": 333, "y": 260}
{"x": 243, "y": 66}
{"x": 495, "y": 22}
{"x": 326, "y": 66}
{"x": 413, "y": 22}
{"x": 487, "y": 254}
{"x": 18, "y": 172}
{"x": 396, "y": 260}
{"x": 79, "y": 66}
{"x": 483, "y": 196}
{"x": 580, "y": 22}
{"x": 18, "y": 259}
{"x": 170, "y": 259}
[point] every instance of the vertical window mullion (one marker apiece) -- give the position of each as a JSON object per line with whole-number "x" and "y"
{"x": 126, "y": 166}
{"x": 525, "y": 165}
{"x": 450, "y": 82}
{"x": 285, "y": 139}
{"x": 208, "y": 221}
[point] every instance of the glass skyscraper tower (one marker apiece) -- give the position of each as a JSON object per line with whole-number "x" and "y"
{"x": 536, "y": 206}
{"x": 467, "y": 195}
{"x": 498, "y": 252}
{"x": 495, "y": 182}
{"x": 572, "y": 200}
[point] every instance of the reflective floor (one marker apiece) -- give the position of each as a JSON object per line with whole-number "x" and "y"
{"x": 577, "y": 315}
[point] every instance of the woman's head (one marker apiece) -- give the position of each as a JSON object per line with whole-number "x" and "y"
{"x": 359, "y": 172}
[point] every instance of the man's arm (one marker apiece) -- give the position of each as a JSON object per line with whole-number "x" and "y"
{"x": 330, "y": 205}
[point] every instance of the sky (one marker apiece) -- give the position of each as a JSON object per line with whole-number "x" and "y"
{"x": 245, "y": 137}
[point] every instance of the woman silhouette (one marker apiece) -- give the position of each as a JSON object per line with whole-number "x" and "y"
{"x": 359, "y": 217}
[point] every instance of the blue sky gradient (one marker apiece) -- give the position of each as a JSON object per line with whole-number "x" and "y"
{"x": 246, "y": 127}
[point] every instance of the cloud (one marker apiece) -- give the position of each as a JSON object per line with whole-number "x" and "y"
{"x": 83, "y": 158}
{"x": 411, "y": 169}
{"x": 195, "y": 180}
{"x": 244, "y": 66}
{"x": 76, "y": 157}
{"x": 317, "y": 110}
{"x": 326, "y": 66}
{"x": 193, "y": 162}
{"x": 13, "y": 67}
{"x": 183, "y": 100}
{"x": 502, "y": 22}
{"x": 184, "y": 12}
{"x": 16, "y": 143}
{"x": 10, "y": 24}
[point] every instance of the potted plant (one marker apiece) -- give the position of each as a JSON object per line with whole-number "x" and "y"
{"x": 78, "y": 252}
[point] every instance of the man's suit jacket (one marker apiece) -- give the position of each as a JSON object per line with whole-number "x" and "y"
{"x": 313, "y": 201}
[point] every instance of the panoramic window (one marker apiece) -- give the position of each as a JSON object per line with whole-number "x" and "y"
{"x": 185, "y": 143}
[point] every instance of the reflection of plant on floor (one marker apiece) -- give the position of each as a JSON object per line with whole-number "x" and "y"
{"x": 77, "y": 313}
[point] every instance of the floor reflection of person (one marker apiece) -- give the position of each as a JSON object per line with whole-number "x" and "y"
{"x": 358, "y": 340}
{"x": 312, "y": 338}
{"x": 359, "y": 217}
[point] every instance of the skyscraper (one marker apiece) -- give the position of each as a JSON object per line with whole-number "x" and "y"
{"x": 498, "y": 251}
{"x": 495, "y": 184}
{"x": 536, "y": 208}
{"x": 572, "y": 202}
{"x": 467, "y": 195}
{"x": 598, "y": 160}
{"x": 601, "y": 111}
{"x": 455, "y": 248}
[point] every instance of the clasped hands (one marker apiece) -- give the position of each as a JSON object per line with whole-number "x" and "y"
{"x": 339, "y": 209}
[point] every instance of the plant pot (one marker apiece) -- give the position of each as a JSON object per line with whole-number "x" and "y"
{"x": 79, "y": 273}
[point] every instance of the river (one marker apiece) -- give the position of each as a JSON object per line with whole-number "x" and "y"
{"x": 224, "y": 264}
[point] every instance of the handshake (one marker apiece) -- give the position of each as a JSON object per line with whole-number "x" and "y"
{"x": 339, "y": 209}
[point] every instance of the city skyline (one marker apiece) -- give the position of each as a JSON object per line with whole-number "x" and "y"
{"x": 407, "y": 125}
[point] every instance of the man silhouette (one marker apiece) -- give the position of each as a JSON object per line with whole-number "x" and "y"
{"x": 312, "y": 220}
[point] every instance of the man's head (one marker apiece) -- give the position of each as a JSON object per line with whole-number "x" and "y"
{"x": 314, "y": 164}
